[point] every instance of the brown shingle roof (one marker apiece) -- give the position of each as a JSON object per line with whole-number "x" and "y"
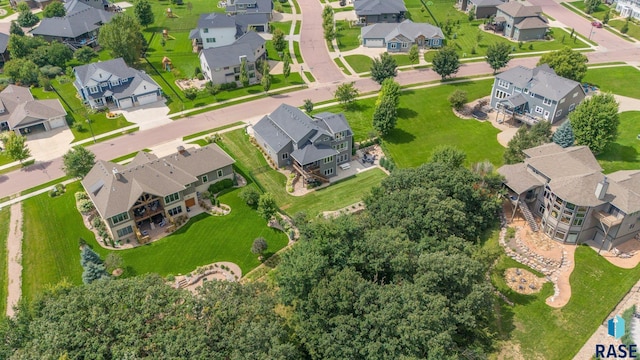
{"x": 515, "y": 9}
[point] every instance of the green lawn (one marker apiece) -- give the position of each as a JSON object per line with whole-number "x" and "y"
{"x": 74, "y": 107}
{"x": 53, "y": 226}
{"x": 624, "y": 153}
{"x": 599, "y": 13}
{"x": 4, "y": 280}
{"x": 8, "y": 9}
{"x": 620, "y": 80}
{"x": 359, "y": 63}
{"x": 251, "y": 161}
{"x": 282, "y": 7}
{"x": 543, "y": 332}
{"x": 634, "y": 28}
{"x": 402, "y": 59}
{"x": 341, "y": 66}
{"x": 423, "y": 125}
{"x": 348, "y": 38}
{"x": 4, "y": 159}
{"x": 297, "y": 53}
{"x": 285, "y": 26}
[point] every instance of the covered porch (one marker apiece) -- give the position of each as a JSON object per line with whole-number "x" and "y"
{"x": 308, "y": 161}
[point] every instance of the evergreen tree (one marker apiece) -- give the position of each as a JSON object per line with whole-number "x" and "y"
{"x": 244, "y": 73}
{"x": 94, "y": 272}
{"x": 88, "y": 256}
{"x": 286, "y": 66}
{"x": 564, "y": 135}
{"x": 15, "y": 29}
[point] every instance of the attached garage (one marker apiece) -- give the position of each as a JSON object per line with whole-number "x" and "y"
{"x": 125, "y": 103}
{"x": 56, "y": 123}
{"x": 374, "y": 42}
{"x": 147, "y": 99}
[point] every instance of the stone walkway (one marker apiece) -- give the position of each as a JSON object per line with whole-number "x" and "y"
{"x": 14, "y": 254}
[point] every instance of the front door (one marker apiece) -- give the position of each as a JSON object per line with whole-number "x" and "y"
{"x": 190, "y": 202}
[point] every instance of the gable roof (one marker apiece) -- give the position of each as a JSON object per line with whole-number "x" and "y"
{"x": 229, "y": 55}
{"x": 334, "y": 123}
{"x": 531, "y": 23}
{"x": 116, "y": 67}
{"x": 378, "y": 7}
{"x": 515, "y": 9}
{"x": 72, "y": 25}
{"x": 540, "y": 80}
{"x": 407, "y": 28}
{"x": 115, "y": 188}
{"x": 486, "y": 3}
{"x": 4, "y": 41}
{"x": 245, "y": 20}
{"x": 216, "y": 20}
{"x": 261, "y": 6}
{"x": 21, "y": 109}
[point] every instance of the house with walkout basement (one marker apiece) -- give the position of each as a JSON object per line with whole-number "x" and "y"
{"x": 379, "y": 11}
{"x": 235, "y": 7}
{"x": 481, "y": 9}
{"x": 400, "y": 37}
{"x": 532, "y": 95}
{"x": 21, "y": 113}
{"x": 215, "y": 29}
{"x": 313, "y": 146}
{"x": 221, "y": 65}
{"x": 563, "y": 192}
{"x": 520, "y": 22}
{"x": 114, "y": 84}
{"x": 150, "y": 192}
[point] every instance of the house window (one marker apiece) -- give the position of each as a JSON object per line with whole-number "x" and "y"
{"x": 572, "y": 107}
{"x": 503, "y": 84}
{"x": 285, "y": 156}
{"x": 341, "y": 146}
{"x": 328, "y": 160}
{"x": 539, "y": 110}
{"x": 558, "y": 113}
{"x": 328, "y": 171}
{"x": 546, "y": 115}
{"x": 575, "y": 94}
{"x": 124, "y": 80}
{"x": 560, "y": 235}
{"x": 93, "y": 89}
{"x": 220, "y": 173}
{"x": 175, "y": 211}
{"x": 392, "y": 45}
{"x": 340, "y": 135}
{"x": 125, "y": 231}
{"x": 171, "y": 198}
{"x": 205, "y": 179}
{"x": 526, "y": 91}
{"x": 115, "y": 83}
{"x": 205, "y": 30}
{"x": 405, "y": 45}
{"x": 501, "y": 94}
{"x": 226, "y": 68}
{"x": 120, "y": 218}
{"x": 562, "y": 101}
{"x": 546, "y": 101}
{"x": 517, "y": 89}
{"x": 211, "y": 40}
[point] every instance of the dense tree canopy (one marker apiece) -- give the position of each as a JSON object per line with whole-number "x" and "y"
{"x": 526, "y": 138}
{"x": 142, "y": 11}
{"x": 566, "y": 63}
{"x": 383, "y": 67}
{"x": 27, "y": 19}
{"x": 595, "y": 122}
{"x": 78, "y": 161}
{"x": 22, "y": 71}
{"x": 23, "y": 46}
{"x": 85, "y": 54}
{"x": 15, "y": 29}
{"x": 55, "y": 9}
{"x": 122, "y": 37}
{"x": 498, "y": 55}
{"x": 54, "y": 54}
{"x": 446, "y": 62}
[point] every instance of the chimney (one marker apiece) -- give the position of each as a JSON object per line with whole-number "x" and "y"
{"x": 181, "y": 149}
{"x": 601, "y": 189}
{"x": 115, "y": 173}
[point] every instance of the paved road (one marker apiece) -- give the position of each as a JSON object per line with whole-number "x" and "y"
{"x": 313, "y": 45}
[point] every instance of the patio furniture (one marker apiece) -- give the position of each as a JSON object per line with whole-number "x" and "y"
{"x": 345, "y": 166}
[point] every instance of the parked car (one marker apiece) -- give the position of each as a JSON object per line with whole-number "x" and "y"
{"x": 597, "y": 24}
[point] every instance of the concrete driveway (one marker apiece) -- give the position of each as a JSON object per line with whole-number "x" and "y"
{"x": 51, "y": 144}
{"x": 147, "y": 116}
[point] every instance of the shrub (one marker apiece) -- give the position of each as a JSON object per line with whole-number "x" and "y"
{"x": 200, "y": 76}
{"x": 228, "y": 86}
{"x": 85, "y": 206}
{"x": 171, "y": 278}
{"x": 81, "y": 195}
{"x": 250, "y": 196}
{"x": 220, "y": 185}
{"x": 457, "y": 99}
{"x": 511, "y": 233}
{"x": 96, "y": 222}
{"x": 53, "y": 193}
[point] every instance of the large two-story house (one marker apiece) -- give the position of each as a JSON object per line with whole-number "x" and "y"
{"x": 222, "y": 64}
{"x": 520, "y": 22}
{"x": 215, "y": 29}
{"x": 400, "y": 37}
{"x": 481, "y": 9}
{"x": 21, "y": 113}
{"x": 314, "y": 146}
{"x": 379, "y": 11}
{"x": 113, "y": 83}
{"x": 76, "y": 29}
{"x": 628, "y": 8}
{"x": 574, "y": 201}
{"x": 148, "y": 191}
{"x": 535, "y": 94}
{"x": 235, "y": 7}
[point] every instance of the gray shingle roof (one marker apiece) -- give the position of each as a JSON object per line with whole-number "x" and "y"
{"x": 407, "y": 28}
{"x": 515, "y": 9}
{"x": 293, "y": 122}
{"x": 74, "y": 24}
{"x": 312, "y": 153}
{"x": 486, "y": 3}
{"x": 4, "y": 41}
{"x": 114, "y": 194}
{"x": 245, "y": 20}
{"x": 229, "y": 55}
{"x": 541, "y": 80}
{"x": 377, "y": 7}
{"x": 20, "y": 108}
{"x": 334, "y": 122}
{"x": 262, "y": 6}
{"x": 120, "y": 69}
{"x": 216, "y": 20}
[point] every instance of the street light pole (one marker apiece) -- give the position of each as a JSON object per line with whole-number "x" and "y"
{"x": 591, "y": 32}
{"x": 91, "y": 128}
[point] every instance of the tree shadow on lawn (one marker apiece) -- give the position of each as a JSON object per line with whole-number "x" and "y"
{"x": 399, "y": 136}
{"x": 617, "y": 152}
{"x": 407, "y": 114}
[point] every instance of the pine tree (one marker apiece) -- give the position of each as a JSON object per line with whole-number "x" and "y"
{"x": 16, "y": 29}
{"x": 88, "y": 256}
{"x": 564, "y": 135}
{"x": 244, "y": 73}
{"x": 94, "y": 272}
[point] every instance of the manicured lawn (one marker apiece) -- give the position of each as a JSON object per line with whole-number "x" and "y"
{"x": 599, "y": 13}
{"x": 634, "y": 28}
{"x": 543, "y": 331}
{"x": 341, "y": 66}
{"x": 348, "y": 37}
{"x": 620, "y": 80}
{"x": 285, "y": 26}
{"x": 624, "y": 153}
{"x": 297, "y": 53}
{"x": 4, "y": 159}
{"x": 283, "y": 7}
{"x": 402, "y": 59}
{"x": 4, "y": 280}
{"x": 359, "y": 63}
{"x": 251, "y": 161}
{"x": 423, "y": 125}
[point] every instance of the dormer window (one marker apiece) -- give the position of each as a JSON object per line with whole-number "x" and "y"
{"x": 124, "y": 80}
{"x": 503, "y": 84}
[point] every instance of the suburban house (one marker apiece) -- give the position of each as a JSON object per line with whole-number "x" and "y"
{"x": 628, "y": 8}
{"x": 313, "y": 146}
{"x": 221, "y": 65}
{"x": 133, "y": 199}
{"x": 534, "y": 94}
{"x": 482, "y": 9}
{"x": 400, "y": 37}
{"x": 76, "y": 29}
{"x": 113, "y": 83}
{"x": 574, "y": 201}
{"x": 520, "y": 22}
{"x": 32, "y": 3}
{"x": 21, "y": 113}
{"x": 215, "y": 29}
{"x": 98, "y": 4}
{"x": 235, "y": 7}
{"x": 4, "y": 52}
{"x": 379, "y": 11}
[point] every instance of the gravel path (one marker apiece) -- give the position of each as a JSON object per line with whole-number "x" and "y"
{"x": 14, "y": 247}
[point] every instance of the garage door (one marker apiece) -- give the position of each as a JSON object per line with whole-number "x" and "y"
{"x": 125, "y": 103}
{"x": 147, "y": 99}
{"x": 374, "y": 43}
{"x": 56, "y": 123}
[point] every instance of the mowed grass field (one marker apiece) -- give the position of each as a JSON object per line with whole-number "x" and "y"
{"x": 4, "y": 279}
{"x": 624, "y": 153}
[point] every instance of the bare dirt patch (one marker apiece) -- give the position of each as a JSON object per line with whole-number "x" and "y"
{"x": 523, "y": 281}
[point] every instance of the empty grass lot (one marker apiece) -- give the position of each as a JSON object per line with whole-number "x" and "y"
{"x": 251, "y": 161}
{"x": 543, "y": 331}
{"x": 53, "y": 226}
{"x": 620, "y": 80}
{"x": 624, "y": 153}
{"x": 4, "y": 280}
{"x": 359, "y": 63}
{"x": 348, "y": 37}
{"x": 423, "y": 125}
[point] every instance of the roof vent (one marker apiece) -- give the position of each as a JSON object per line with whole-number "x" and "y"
{"x": 181, "y": 149}
{"x": 601, "y": 189}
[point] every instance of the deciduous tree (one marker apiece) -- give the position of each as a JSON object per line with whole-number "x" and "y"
{"x": 27, "y": 18}
{"x": 526, "y": 138}
{"x": 457, "y": 99}
{"x": 85, "y": 54}
{"x": 286, "y": 66}
{"x": 591, "y": 6}
{"x": 414, "y": 54}
{"x": 54, "y": 9}
{"x": 15, "y": 29}
{"x": 498, "y": 55}
{"x": 346, "y": 93}
{"x": 23, "y": 46}
{"x": 143, "y": 13}
{"x": 448, "y": 155}
{"x": 446, "y": 62}
{"x": 266, "y": 77}
{"x": 259, "y": 246}
{"x": 391, "y": 89}
{"x": 14, "y": 146}
{"x": 566, "y": 63}
{"x": 267, "y": 207}
{"x": 564, "y": 135}
{"x": 78, "y": 161}
{"x": 308, "y": 106}
{"x": 122, "y": 37}
{"x": 244, "y": 73}
{"x": 278, "y": 41}
{"x": 54, "y": 54}
{"x": 595, "y": 122}
{"x": 250, "y": 196}
{"x": 385, "y": 116}
{"x": 383, "y": 67}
